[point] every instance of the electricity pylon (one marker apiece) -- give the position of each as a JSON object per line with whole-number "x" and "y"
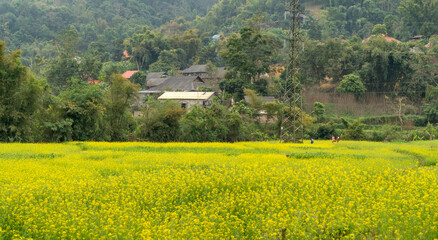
{"x": 292, "y": 129}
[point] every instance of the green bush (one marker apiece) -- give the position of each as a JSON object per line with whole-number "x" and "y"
{"x": 160, "y": 122}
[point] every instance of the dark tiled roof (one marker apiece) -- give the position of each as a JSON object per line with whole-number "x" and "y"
{"x": 155, "y": 75}
{"x": 195, "y": 69}
{"x": 186, "y": 83}
{"x": 153, "y": 82}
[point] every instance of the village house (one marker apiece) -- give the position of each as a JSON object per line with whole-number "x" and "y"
{"x": 189, "y": 99}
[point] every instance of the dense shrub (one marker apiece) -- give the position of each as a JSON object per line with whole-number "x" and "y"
{"x": 160, "y": 122}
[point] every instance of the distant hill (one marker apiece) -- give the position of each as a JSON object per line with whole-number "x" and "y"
{"x": 30, "y": 24}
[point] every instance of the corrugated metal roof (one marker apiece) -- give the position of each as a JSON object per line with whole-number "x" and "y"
{"x": 186, "y": 95}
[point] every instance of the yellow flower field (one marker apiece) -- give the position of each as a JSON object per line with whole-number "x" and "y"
{"x": 346, "y": 190}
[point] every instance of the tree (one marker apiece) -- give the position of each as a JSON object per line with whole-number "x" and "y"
{"x": 168, "y": 61}
{"x": 190, "y": 43}
{"x": 20, "y": 94}
{"x": 420, "y": 16}
{"x": 66, "y": 65}
{"x": 249, "y": 54}
{"x": 353, "y": 130}
{"x": 83, "y": 105}
{"x": 121, "y": 95}
{"x": 160, "y": 122}
{"x": 234, "y": 87}
{"x": 379, "y": 29}
{"x": 206, "y": 124}
{"x": 351, "y": 83}
{"x": 385, "y": 65}
{"x": 144, "y": 48}
{"x": 139, "y": 78}
{"x": 398, "y": 105}
{"x": 318, "y": 111}
{"x": 211, "y": 69}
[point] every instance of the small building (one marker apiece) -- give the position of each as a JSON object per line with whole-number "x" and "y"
{"x": 189, "y": 99}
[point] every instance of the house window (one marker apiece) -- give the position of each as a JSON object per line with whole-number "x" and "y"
{"x": 184, "y": 105}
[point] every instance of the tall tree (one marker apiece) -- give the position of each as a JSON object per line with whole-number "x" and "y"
{"x": 84, "y": 105}
{"x": 121, "y": 96}
{"x": 144, "y": 48}
{"x": 20, "y": 94}
{"x": 420, "y": 16}
{"x": 249, "y": 54}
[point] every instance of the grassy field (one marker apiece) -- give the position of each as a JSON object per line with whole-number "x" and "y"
{"x": 346, "y": 190}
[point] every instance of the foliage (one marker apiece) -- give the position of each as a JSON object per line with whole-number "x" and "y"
{"x": 254, "y": 100}
{"x": 249, "y": 54}
{"x": 324, "y": 131}
{"x": 144, "y": 48}
{"x": 431, "y": 112}
{"x": 318, "y": 111}
{"x": 160, "y": 122}
{"x": 20, "y": 94}
{"x": 234, "y": 86}
{"x": 353, "y": 130}
{"x": 420, "y": 16}
{"x": 379, "y": 29}
{"x": 121, "y": 96}
{"x": 110, "y": 68}
{"x": 210, "y": 124}
{"x": 352, "y": 84}
{"x": 82, "y": 108}
{"x": 139, "y": 78}
{"x": 53, "y": 123}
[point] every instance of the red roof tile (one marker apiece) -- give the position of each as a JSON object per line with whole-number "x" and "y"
{"x": 128, "y": 74}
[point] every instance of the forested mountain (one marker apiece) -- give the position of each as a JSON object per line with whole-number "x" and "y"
{"x": 30, "y": 24}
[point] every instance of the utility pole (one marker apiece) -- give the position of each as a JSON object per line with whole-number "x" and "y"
{"x": 292, "y": 129}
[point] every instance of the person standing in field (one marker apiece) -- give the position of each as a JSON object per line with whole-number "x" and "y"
{"x": 333, "y": 139}
{"x": 311, "y": 141}
{"x": 338, "y": 139}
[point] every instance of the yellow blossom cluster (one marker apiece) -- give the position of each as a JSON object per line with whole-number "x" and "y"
{"x": 269, "y": 190}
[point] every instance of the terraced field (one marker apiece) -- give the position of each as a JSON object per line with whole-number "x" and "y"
{"x": 346, "y": 190}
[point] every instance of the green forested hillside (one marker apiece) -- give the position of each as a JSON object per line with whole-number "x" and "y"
{"x": 30, "y": 24}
